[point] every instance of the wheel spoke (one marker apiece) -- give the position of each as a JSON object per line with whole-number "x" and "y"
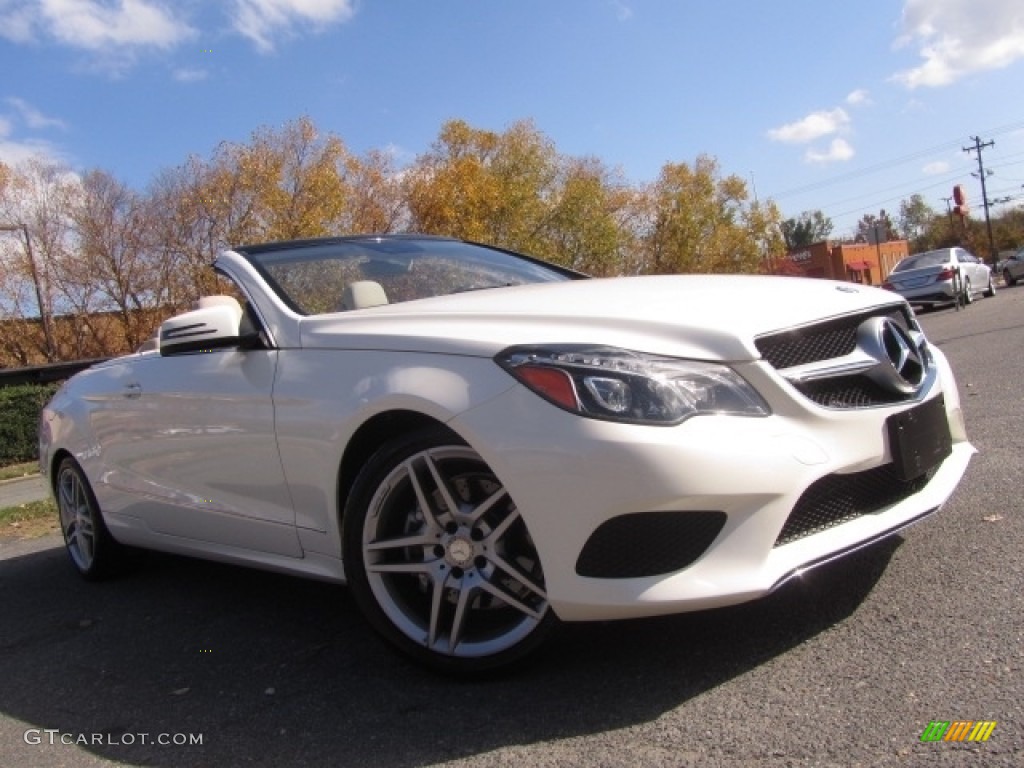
{"x": 518, "y": 576}
{"x": 71, "y": 534}
{"x": 425, "y": 568}
{"x": 416, "y": 540}
{"x": 459, "y": 621}
{"x": 487, "y": 505}
{"x": 436, "y": 605}
{"x": 509, "y": 600}
{"x": 498, "y": 532}
{"x": 442, "y": 485}
{"x": 421, "y": 497}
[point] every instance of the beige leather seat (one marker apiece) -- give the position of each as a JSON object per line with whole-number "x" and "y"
{"x": 362, "y": 294}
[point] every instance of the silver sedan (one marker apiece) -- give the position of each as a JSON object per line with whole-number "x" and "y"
{"x": 941, "y": 277}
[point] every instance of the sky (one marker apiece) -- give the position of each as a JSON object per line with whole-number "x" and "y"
{"x": 826, "y": 105}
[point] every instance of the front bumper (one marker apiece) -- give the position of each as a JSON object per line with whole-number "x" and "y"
{"x": 569, "y": 476}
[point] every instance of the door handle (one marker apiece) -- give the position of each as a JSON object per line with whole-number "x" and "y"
{"x": 132, "y": 390}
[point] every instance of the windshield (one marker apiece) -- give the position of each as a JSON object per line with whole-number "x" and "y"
{"x": 319, "y": 276}
{"x": 919, "y": 260}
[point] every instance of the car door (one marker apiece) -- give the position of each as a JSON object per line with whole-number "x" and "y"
{"x": 195, "y": 449}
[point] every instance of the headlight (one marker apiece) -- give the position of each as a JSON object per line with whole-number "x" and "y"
{"x": 620, "y": 385}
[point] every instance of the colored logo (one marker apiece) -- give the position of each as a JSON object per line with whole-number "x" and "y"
{"x": 958, "y": 730}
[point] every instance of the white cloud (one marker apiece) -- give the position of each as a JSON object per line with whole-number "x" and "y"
{"x": 102, "y": 26}
{"x": 15, "y": 150}
{"x": 838, "y": 151}
{"x": 858, "y": 97}
{"x": 16, "y": 22}
{"x": 190, "y": 75}
{"x": 937, "y": 168}
{"x": 264, "y": 20}
{"x": 959, "y": 37}
{"x": 32, "y": 117}
{"x": 97, "y": 26}
{"x": 814, "y": 126}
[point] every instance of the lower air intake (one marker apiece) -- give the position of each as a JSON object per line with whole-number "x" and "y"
{"x": 837, "y": 499}
{"x": 648, "y": 544}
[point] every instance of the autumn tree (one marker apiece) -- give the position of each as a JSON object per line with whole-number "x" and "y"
{"x": 915, "y": 217}
{"x": 33, "y": 208}
{"x": 700, "y": 221}
{"x": 485, "y": 186}
{"x": 808, "y": 228}
{"x": 111, "y": 268}
{"x": 282, "y": 184}
{"x": 881, "y": 227}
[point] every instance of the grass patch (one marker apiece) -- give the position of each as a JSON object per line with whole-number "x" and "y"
{"x": 27, "y": 521}
{"x": 12, "y": 471}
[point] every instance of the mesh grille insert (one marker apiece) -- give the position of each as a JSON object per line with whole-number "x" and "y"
{"x": 837, "y": 499}
{"x": 823, "y": 341}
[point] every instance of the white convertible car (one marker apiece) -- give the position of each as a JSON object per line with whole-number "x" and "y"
{"x": 481, "y": 444}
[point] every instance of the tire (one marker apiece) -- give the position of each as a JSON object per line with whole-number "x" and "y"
{"x": 460, "y": 592}
{"x": 968, "y": 297}
{"x": 991, "y": 290}
{"x": 1008, "y": 278}
{"x": 92, "y": 550}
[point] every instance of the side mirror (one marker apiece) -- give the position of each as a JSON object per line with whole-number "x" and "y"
{"x": 213, "y": 326}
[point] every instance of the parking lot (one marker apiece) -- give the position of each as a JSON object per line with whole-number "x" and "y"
{"x": 845, "y": 668}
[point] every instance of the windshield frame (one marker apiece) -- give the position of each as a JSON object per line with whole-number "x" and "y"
{"x": 398, "y": 255}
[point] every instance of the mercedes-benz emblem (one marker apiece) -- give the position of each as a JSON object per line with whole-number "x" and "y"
{"x": 901, "y": 364}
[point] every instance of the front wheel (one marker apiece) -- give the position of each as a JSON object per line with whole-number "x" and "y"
{"x": 439, "y": 558}
{"x": 991, "y": 290}
{"x": 1008, "y": 278}
{"x": 93, "y": 551}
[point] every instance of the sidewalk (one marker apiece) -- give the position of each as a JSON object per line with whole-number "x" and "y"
{"x": 22, "y": 490}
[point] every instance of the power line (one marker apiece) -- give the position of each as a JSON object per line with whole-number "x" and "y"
{"x": 886, "y": 164}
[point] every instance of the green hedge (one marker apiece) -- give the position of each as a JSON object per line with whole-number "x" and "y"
{"x": 19, "y": 421}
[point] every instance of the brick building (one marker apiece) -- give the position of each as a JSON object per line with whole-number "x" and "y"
{"x": 854, "y": 262}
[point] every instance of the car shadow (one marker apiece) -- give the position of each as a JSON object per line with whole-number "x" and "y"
{"x": 274, "y": 670}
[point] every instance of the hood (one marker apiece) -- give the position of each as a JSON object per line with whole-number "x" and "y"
{"x": 709, "y": 317}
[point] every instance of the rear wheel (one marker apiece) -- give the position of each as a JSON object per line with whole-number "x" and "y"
{"x": 1008, "y": 278}
{"x": 439, "y": 558}
{"x": 968, "y": 297}
{"x": 93, "y": 551}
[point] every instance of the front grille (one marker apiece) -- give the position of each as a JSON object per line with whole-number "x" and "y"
{"x": 822, "y": 341}
{"x": 648, "y": 544}
{"x": 837, "y": 499}
{"x": 831, "y": 340}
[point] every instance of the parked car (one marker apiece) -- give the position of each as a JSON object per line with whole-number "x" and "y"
{"x": 1012, "y": 268}
{"x": 482, "y": 444}
{"x": 941, "y": 277}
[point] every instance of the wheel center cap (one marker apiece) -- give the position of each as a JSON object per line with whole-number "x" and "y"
{"x": 460, "y": 551}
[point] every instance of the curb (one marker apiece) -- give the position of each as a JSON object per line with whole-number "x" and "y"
{"x": 23, "y": 478}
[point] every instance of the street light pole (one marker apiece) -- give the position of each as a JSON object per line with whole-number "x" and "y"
{"x": 44, "y": 316}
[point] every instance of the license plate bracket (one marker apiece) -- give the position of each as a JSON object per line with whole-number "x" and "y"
{"x": 919, "y": 438}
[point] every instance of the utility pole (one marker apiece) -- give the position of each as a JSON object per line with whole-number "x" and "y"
{"x": 978, "y": 146}
{"x": 949, "y": 212}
